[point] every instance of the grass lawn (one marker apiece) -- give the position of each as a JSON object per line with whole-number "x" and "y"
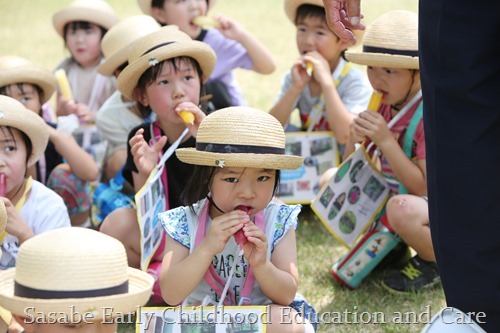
{"x": 26, "y": 30}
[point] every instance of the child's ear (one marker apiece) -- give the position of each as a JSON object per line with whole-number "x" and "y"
{"x": 140, "y": 96}
{"x": 159, "y": 15}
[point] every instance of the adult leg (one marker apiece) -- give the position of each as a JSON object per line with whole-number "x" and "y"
{"x": 460, "y": 73}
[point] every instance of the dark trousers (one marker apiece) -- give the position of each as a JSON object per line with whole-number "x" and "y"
{"x": 460, "y": 72}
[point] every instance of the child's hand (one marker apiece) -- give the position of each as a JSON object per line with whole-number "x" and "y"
{"x": 15, "y": 223}
{"x": 145, "y": 157}
{"x": 299, "y": 75}
{"x": 321, "y": 72}
{"x": 65, "y": 106}
{"x": 84, "y": 114}
{"x": 222, "y": 228}
{"x": 196, "y": 111}
{"x": 229, "y": 28}
{"x": 354, "y": 135}
{"x": 374, "y": 126}
{"x": 255, "y": 250}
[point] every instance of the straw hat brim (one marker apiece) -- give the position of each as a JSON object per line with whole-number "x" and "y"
{"x": 93, "y": 15}
{"x": 201, "y": 52}
{"x": 383, "y": 60}
{"x": 242, "y": 160}
{"x": 14, "y": 114}
{"x": 110, "y": 64}
{"x": 30, "y": 74}
{"x": 140, "y": 286}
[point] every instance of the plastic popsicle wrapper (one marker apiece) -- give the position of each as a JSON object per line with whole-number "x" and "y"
{"x": 206, "y": 22}
{"x": 63, "y": 83}
{"x": 3, "y": 185}
{"x": 309, "y": 68}
{"x": 375, "y": 101}
{"x": 187, "y": 117}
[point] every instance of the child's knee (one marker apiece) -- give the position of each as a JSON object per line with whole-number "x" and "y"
{"x": 399, "y": 212}
{"x": 325, "y": 177}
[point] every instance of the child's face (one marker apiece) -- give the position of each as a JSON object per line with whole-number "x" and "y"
{"x": 394, "y": 83}
{"x": 181, "y": 13}
{"x": 249, "y": 187}
{"x": 85, "y": 45}
{"x": 314, "y": 35}
{"x": 13, "y": 156}
{"x": 26, "y": 94}
{"x": 173, "y": 85}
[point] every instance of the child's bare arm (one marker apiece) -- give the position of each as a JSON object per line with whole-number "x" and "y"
{"x": 279, "y": 278}
{"x": 262, "y": 58}
{"x": 80, "y": 162}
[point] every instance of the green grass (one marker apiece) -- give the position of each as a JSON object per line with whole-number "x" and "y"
{"x": 27, "y": 31}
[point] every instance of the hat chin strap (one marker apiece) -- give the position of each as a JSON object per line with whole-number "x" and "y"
{"x": 400, "y": 105}
{"x": 209, "y": 198}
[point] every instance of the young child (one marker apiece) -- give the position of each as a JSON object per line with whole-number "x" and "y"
{"x": 332, "y": 87}
{"x": 64, "y": 167}
{"x": 239, "y": 152}
{"x": 118, "y": 115}
{"x": 56, "y": 289}
{"x": 82, "y": 24}
{"x": 32, "y": 208}
{"x": 390, "y": 50}
{"x": 234, "y": 46}
{"x": 165, "y": 73}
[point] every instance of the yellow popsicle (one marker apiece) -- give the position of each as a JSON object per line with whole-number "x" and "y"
{"x": 206, "y": 22}
{"x": 187, "y": 117}
{"x": 309, "y": 68}
{"x": 375, "y": 101}
{"x": 63, "y": 83}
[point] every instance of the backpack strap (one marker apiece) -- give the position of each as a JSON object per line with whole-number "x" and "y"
{"x": 408, "y": 139}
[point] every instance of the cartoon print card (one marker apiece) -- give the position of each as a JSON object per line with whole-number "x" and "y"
{"x": 150, "y": 201}
{"x": 216, "y": 319}
{"x": 352, "y": 198}
{"x": 320, "y": 153}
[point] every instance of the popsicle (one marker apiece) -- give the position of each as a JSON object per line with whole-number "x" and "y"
{"x": 309, "y": 68}
{"x": 375, "y": 100}
{"x": 187, "y": 117}
{"x": 3, "y": 185}
{"x": 63, "y": 83}
{"x": 239, "y": 236}
{"x": 206, "y": 22}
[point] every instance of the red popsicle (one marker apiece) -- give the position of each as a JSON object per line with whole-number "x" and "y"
{"x": 3, "y": 185}
{"x": 239, "y": 236}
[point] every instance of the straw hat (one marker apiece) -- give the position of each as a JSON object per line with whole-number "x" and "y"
{"x": 240, "y": 137}
{"x": 14, "y": 114}
{"x": 145, "y": 5}
{"x": 115, "y": 43}
{"x": 73, "y": 267}
{"x": 94, "y": 11}
{"x": 291, "y": 7}
{"x": 14, "y": 69}
{"x": 390, "y": 41}
{"x": 166, "y": 43}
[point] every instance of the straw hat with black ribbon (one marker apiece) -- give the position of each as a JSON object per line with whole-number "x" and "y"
{"x": 98, "y": 12}
{"x": 14, "y": 114}
{"x": 390, "y": 41}
{"x": 14, "y": 69}
{"x": 243, "y": 137}
{"x": 116, "y": 42}
{"x": 145, "y": 5}
{"x": 73, "y": 270}
{"x": 291, "y": 7}
{"x": 166, "y": 43}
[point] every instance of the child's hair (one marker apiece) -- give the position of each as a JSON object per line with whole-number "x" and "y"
{"x": 198, "y": 185}
{"x": 150, "y": 75}
{"x": 84, "y": 25}
{"x": 5, "y": 90}
{"x": 307, "y": 10}
{"x": 7, "y": 131}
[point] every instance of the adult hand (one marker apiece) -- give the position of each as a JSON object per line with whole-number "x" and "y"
{"x": 342, "y": 15}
